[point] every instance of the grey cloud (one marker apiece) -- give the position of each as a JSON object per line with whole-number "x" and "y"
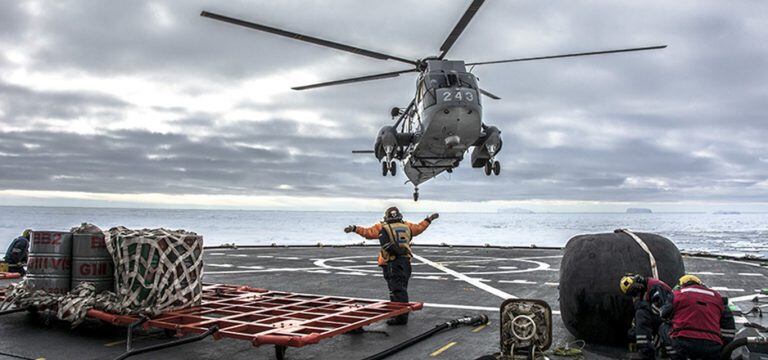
{"x": 687, "y": 123}
{"x": 19, "y": 104}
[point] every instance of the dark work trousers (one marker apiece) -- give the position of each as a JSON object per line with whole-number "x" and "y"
{"x": 17, "y": 269}
{"x": 397, "y": 273}
{"x": 647, "y": 325}
{"x": 696, "y": 349}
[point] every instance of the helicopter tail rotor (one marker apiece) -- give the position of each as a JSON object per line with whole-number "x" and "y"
{"x": 494, "y": 97}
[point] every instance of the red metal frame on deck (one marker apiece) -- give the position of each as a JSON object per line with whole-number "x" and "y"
{"x": 274, "y": 317}
{"x": 9, "y": 275}
{"x": 269, "y": 317}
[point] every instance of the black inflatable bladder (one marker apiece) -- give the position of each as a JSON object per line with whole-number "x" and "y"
{"x": 591, "y": 305}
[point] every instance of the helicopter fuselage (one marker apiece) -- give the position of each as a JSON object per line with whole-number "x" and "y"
{"x": 449, "y": 119}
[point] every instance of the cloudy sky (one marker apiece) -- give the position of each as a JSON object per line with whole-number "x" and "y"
{"x": 133, "y": 103}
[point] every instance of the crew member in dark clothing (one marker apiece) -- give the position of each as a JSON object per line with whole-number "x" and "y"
{"x": 701, "y": 321}
{"x": 648, "y": 296}
{"x": 395, "y": 237}
{"x": 17, "y": 253}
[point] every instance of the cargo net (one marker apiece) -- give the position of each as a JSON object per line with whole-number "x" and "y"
{"x": 155, "y": 271}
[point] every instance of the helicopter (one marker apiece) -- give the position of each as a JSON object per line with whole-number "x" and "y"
{"x": 443, "y": 120}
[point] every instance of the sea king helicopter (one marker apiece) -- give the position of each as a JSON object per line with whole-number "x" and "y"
{"x": 444, "y": 119}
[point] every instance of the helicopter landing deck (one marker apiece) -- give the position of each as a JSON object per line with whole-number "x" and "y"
{"x": 476, "y": 283}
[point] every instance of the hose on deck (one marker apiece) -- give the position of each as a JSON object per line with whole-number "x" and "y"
{"x": 735, "y": 344}
{"x": 468, "y": 320}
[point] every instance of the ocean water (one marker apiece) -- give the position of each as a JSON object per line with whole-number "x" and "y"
{"x": 740, "y": 234}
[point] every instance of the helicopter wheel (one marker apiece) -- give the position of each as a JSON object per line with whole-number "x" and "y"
{"x": 488, "y": 168}
{"x": 416, "y": 195}
{"x": 384, "y": 168}
{"x": 393, "y": 168}
{"x": 449, "y": 170}
{"x": 496, "y": 168}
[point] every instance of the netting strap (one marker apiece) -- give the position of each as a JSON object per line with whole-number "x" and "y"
{"x": 639, "y": 241}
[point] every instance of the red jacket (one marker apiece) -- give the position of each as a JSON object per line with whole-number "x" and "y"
{"x": 655, "y": 285}
{"x": 697, "y": 313}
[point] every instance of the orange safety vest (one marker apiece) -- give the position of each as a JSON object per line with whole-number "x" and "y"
{"x": 400, "y": 233}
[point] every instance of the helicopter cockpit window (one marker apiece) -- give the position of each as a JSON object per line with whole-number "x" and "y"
{"x": 467, "y": 80}
{"x": 437, "y": 81}
{"x": 451, "y": 80}
{"x": 421, "y": 92}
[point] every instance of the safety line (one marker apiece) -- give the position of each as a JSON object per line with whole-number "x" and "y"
{"x": 746, "y": 297}
{"x": 466, "y": 278}
{"x": 481, "y": 327}
{"x": 19, "y": 356}
{"x": 471, "y": 307}
{"x": 258, "y": 271}
{"x": 442, "y": 349}
{"x": 462, "y": 307}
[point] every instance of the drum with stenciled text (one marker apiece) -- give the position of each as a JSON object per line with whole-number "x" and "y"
{"x": 50, "y": 261}
{"x": 91, "y": 261}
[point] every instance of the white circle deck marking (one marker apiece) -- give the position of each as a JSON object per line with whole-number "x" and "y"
{"x": 528, "y": 264}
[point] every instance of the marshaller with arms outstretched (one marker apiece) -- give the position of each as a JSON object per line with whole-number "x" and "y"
{"x": 395, "y": 237}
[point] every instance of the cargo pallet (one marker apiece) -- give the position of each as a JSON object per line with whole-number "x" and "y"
{"x": 261, "y": 316}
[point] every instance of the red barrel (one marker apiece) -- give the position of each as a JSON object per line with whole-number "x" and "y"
{"x": 91, "y": 261}
{"x": 50, "y": 261}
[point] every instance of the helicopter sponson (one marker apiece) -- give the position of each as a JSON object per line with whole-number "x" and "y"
{"x": 486, "y": 147}
{"x": 389, "y": 143}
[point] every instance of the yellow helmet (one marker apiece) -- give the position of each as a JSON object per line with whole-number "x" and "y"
{"x": 688, "y": 280}
{"x": 26, "y": 233}
{"x": 626, "y": 282}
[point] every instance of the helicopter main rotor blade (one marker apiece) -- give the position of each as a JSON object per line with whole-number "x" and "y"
{"x": 494, "y": 97}
{"x": 355, "y": 79}
{"x": 306, "y": 38}
{"x": 569, "y": 55}
{"x": 460, "y": 26}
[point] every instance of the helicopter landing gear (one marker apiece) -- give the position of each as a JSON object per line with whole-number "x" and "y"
{"x": 492, "y": 166}
{"x": 449, "y": 170}
{"x": 416, "y": 194}
{"x": 388, "y": 167}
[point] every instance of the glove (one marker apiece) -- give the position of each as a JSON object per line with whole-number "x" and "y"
{"x": 349, "y": 229}
{"x": 432, "y": 217}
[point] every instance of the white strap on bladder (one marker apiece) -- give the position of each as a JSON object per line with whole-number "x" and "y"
{"x": 642, "y": 244}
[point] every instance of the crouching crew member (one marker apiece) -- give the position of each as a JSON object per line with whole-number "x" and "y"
{"x": 648, "y": 296}
{"x": 701, "y": 321}
{"x": 17, "y": 253}
{"x": 395, "y": 237}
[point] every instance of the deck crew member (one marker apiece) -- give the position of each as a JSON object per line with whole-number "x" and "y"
{"x": 701, "y": 321}
{"x": 17, "y": 253}
{"x": 648, "y": 296}
{"x": 395, "y": 237}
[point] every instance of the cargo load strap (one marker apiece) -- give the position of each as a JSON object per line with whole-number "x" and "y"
{"x": 639, "y": 241}
{"x": 155, "y": 271}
